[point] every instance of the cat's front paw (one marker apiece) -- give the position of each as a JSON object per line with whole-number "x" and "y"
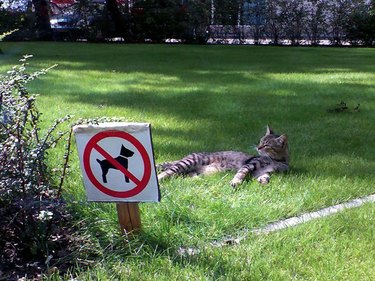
{"x": 264, "y": 179}
{"x": 235, "y": 182}
{"x": 162, "y": 176}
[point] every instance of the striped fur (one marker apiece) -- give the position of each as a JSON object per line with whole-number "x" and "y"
{"x": 273, "y": 157}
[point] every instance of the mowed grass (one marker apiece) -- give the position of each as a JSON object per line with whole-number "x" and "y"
{"x": 208, "y": 98}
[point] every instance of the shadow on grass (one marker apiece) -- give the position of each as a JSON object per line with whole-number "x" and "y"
{"x": 230, "y": 116}
{"x": 222, "y": 97}
{"x": 227, "y": 109}
{"x": 153, "y": 58}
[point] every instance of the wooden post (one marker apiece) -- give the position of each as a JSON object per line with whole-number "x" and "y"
{"x": 129, "y": 217}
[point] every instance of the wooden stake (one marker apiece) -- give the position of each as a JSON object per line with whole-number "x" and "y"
{"x": 129, "y": 217}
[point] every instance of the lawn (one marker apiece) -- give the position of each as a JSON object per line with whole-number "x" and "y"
{"x": 207, "y": 98}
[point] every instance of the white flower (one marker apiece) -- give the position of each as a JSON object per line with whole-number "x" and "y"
{"x": 45, "y": 215}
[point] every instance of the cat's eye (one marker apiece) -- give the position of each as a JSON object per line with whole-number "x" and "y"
{"x": 262, "y": 146}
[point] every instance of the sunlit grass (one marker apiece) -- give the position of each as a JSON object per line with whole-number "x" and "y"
{"x": 334, "y": 248}
{"x": 206, "y": 98}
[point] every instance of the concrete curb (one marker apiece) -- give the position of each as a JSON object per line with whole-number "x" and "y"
{"x": 293, "y": 221}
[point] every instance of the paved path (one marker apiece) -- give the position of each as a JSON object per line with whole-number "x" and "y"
{"x": 293, "y": 221}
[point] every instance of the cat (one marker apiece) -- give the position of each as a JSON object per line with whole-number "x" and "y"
{"x": 273, "y": 157}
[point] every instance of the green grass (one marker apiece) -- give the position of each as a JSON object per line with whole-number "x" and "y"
{"x": 206, "y": 98}
{"x": 334, "y": 248}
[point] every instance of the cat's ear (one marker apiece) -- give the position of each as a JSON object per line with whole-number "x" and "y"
{"x": 283, "y": 139}
{"x": 269, "y": 131}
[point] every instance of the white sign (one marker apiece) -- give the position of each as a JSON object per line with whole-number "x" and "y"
{"x": 117, "y": 162}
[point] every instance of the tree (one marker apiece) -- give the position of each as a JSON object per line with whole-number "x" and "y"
{"x": 42, "y": 20}
{"x": 254, "y": 14}
{"x": 360, "y": 27}
{"x": 226, "y": 12}
{"x": 118, "y": 19}
{"x": 337, "y": 15}
{"x": 294, "y": 13}
{"x": 158, "y": 20}
{"x": 197, "y": 20}
{"x": 316, "y": 20}
{"x": 226, "y": 16}
{"x": 274, "y": 21}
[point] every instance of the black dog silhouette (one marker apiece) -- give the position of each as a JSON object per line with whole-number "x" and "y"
{"x": 105, "y": 165}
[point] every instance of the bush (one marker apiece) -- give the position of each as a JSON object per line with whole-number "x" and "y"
{"x": 21, "y": 21}
{"x": 360, "y": 28}
{"x": 3, "y": 35}
{"x": 35, "y": 228}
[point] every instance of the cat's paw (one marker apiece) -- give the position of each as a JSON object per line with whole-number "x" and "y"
{"x": 162, "y": 176}
{"x": 235, "y": 182}
{"x": 264, "y": 179}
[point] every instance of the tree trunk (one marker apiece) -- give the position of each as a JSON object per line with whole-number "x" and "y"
{"x": 122, "y": 29}
{"x": 42, "y": 25}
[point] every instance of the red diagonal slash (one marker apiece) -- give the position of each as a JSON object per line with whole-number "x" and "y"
{"x": 118, "y": 166}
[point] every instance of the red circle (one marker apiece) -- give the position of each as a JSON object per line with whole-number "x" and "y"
{"x": 147, "y": 164}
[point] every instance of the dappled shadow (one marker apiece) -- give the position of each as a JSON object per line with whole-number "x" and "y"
{"x": 236, "y": 118}
{"x": 220, "y": 97}
{"x": 166, "y": 58}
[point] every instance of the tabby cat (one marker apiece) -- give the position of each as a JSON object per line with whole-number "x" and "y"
{"x": 273, "y": 157}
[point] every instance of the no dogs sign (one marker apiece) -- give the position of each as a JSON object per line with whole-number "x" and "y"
{"x": 117, "y": 162}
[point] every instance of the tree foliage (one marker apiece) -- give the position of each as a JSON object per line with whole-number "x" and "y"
{"x": 275, "y": 21}
{"x": 360, "y": 27}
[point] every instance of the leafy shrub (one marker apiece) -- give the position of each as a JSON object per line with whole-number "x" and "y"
{"x": 34, "y": 225}
{"x": 10, "y": 20}
{"x": 360, "y": 28}
{"x": 22, "y": 21}
{"x": 2, "y": 36}
{"x": 23, "y": 149}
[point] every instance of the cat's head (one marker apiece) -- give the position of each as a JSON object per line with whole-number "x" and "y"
{"x": 274, "y": 146}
